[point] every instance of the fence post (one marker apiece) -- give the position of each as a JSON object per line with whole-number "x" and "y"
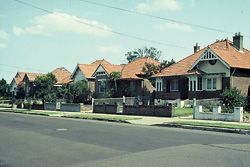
{"x": 123, "y": 99}
{"x": 93, "y": 104}
{"x": 194, "y": 107}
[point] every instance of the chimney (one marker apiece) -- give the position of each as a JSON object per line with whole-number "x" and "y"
{"x": 196, "y": 48}
{"x": 238, "y": 41}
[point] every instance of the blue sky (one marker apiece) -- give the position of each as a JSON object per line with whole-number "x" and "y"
{"x": 32, "y": 40}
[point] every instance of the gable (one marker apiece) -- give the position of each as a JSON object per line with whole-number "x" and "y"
{"x": 100, "y": 71}
{"x": 78, "y": 75}
{"x": 209, "y": 56}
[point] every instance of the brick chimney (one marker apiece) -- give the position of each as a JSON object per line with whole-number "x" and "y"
{"x": 196, "y": 48}
{"x": 238, "y": 41}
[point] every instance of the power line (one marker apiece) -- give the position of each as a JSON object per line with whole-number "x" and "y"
{"x": 104, "y": 29}
{"x": 18, "y": 67}
{"x": 159, "y": 17}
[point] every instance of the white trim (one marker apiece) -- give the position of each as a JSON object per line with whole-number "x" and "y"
{"x": 215, "y": 57}
{"x": 158, "y": 84}
{"x": 103, "y": 69}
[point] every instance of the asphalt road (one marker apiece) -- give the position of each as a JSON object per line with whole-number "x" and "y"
{"x": 37, "y": 141}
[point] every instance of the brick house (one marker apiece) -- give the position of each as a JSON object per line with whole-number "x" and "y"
{"x": 63, "y": 76}
{"x": 84, "y": 72}
{"x": 28, "y": 81}
{"x": 207, "y": 72}
{"x": 102, "y": 78}
{"x": 16, "y": 83}
{"x": 133, "y": 78}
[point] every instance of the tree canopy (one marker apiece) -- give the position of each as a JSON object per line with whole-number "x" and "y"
{"x": 143, "y": 52}
{"x": 3, "y": 88}
{"x": 44, "y": 87}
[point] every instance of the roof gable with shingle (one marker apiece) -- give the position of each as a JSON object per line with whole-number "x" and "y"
{"x": 223, "y": 49}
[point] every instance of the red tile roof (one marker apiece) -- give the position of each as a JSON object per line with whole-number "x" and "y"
{"x": 33, "y": 76}
{"x": 89, "y": 69}
{"x": 224, "y": 49}
{"x": 135, "y": 68}
{"x": 19, "y": 78}
{"x": 63, "y": 76}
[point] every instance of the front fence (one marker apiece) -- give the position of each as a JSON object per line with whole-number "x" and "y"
{"x": 148, "y": 110}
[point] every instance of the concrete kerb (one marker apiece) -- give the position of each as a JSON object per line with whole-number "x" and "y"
{"x": 206, "y": 128}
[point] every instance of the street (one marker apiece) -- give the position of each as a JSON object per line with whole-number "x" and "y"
{"x": 38, "y": 141}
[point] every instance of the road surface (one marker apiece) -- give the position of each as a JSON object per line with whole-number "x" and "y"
{"x": 38, "y": 141}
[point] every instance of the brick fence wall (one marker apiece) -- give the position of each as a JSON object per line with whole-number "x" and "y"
{"x": 105, "y": 108}
{"x": 148, "y": 110}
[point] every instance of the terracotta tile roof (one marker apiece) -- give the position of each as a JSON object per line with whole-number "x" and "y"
{"x": 89, "y": 69}
{"x": 224, "y": 49}
{"x": 102, "y": 61}
{"x": 112, "y": 68}
{"x": 19, "y": 78}
{"x": 33, "y": 76}
{"x": 134, "y": 68}
{"x": 63, "y": 76}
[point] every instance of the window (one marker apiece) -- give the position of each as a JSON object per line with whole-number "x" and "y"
{"x": 100, "y": 73}
{"x": 158, "y": 84}
{"x": 211, "y": 84}
{"x": 199, "y": 83}
{"x": 174, "y": 85}
{"x": 102, "y": 86}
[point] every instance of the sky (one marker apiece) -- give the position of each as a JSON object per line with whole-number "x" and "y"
{"x": 63, "y": 33}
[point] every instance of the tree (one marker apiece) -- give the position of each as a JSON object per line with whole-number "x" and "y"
{"x": 143, "y": 52}
{"x": 78, "y": 92}
{"x": 150, "y": 69}
{"x": 44, "y": 87}
{"x": 166, "y": 63}
{"x": 3, "y": 88}
{"x": 115, "y": 76}
{"x": 233, "y": 98}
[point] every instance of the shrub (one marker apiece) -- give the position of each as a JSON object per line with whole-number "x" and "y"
{"x": 233, "y": 98}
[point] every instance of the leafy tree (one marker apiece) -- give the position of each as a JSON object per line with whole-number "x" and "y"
{"x": 150, "y": 69}
{"x": 3, "y": 88}
{"x": 115, "y": 76}
{"x": 166, "y": 63}
{"x": 20, "y": 92}
{"x": 232, "y": 98}
{"x": 143, "y": 52}
{"x": 44, "y": 87}
{"x": 78, "y": 92}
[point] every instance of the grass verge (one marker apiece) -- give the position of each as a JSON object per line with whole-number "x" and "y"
{"x": 213, "y": 124}
{"x": 181, "y": 112}
{"x": 114, "y": 118}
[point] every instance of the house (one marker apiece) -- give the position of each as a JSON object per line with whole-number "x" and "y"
{"x": 207, "y": 72}
{"x": 63, "y": 76}
{"x": 133, "y": 81}
{"x": 28, "y": 81}
{"x": 16, "y": 83}
{"x": 84, "y": 72}
{"x": 102, "y": 78}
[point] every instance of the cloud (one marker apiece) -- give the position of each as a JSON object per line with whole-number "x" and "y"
{"x": 4, "y": 37}
{"x": 174, "y": 26}
{"x": 110, "y": 49}
{"x": 56, "y": 22}
{"x": 155, "y": 5}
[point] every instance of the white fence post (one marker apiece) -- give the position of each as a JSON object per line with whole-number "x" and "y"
{"x": 238, "y": 113}
{"x": 93, "y": 104}
{"x": 194, "y": 107}
{"x": 124, "y": 99}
